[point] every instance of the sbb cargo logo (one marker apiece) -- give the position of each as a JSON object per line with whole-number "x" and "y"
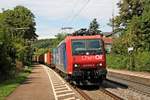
{"x": 96, "y": 57}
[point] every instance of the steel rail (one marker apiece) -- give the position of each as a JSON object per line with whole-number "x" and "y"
{"x": 114, "y": 96}
{"x": 87, "y": 97}
{"x": 83, "y": 94}
{"x": 130, "y": 87}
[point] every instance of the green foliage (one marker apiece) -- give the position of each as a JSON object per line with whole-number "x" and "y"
{"x": 92, "y": 30}
{"x": 20, "y": 22}
{"x": 128, "y": 9}
{"x": 43, "y": 45}
{"x": 17, "y": 29}
{"x": 40, "y": 51}
{"x": 116, "y": 61}
{"x": 140, "y": 61}
{"x": 28, "y": 70}
{"x": 60, "y": 37}
{"x": 94, "y": 27}
{"x": 26, "y": 17}
{"x": 119, "y": 46}
{"x": 8, "y": 86}
{"x": 6, "y": 63}
{"x": 134, "y": 23}
{"x": 145, "y": 25}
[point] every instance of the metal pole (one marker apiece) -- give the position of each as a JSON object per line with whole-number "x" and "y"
{"x": 112, "y": 16}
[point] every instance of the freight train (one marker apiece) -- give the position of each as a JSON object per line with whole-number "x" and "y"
{"x": 82, "y": 59}
{"x": 45, "y": 58}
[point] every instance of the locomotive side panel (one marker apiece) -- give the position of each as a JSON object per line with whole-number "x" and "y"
{"x": 69, "y": 64}
{"x": 54, "y": 56}
{"x": 61, "y": 58}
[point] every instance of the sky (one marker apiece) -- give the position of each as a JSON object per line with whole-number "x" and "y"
{"x": 52, "y": 15}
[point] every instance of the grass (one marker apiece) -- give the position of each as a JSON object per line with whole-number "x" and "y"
{"x": 8, "y": 86}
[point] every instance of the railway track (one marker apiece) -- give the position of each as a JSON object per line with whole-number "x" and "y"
{"x": 127, "y": 91}
{"x": 103, "y": 90}
{"x": 100, "y": 91}
{"x": 106, "y": 90}
{"x": 86, "y": 96}
{"x": 135, "y": 83}
{"x": 83, "y": 94}
{"x": 134, "y": 86}
{"x": 115, "y": 97}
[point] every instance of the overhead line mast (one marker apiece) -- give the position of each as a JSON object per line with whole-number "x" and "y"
{"x": 112, "y": 16}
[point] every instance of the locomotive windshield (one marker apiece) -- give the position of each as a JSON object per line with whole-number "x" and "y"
{"x": 83, "y": 47}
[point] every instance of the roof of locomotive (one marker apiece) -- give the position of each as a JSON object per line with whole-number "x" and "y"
{"x": 83, "y": 37}
{"x": 80, "y": 37}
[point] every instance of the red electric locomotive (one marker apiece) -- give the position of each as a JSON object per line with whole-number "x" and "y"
{"x": 82, "y": 58}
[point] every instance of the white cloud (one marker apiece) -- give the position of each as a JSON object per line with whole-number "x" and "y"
{"x": 64, "y": 10}
{"x": 46, "y": 32}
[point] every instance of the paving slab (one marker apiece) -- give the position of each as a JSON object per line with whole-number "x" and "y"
{"x": 36, "y": 87}
{"x": 145, "y": 75}
{"x": 138, "y": 77}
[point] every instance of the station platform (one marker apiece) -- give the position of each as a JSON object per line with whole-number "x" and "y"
{"x": 36, "y": 87}
{"x": 44, "y": 84}
{"x": 145, "y": 75}
{"x": 140, "y": 77}
{"x": 138, "y": 80}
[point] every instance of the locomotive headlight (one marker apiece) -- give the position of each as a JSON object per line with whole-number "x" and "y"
{"x": 100, "y": 64}
{"x": 75, "y": 65}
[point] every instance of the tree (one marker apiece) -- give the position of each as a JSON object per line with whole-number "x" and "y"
{"x": 128, "y": 9}
{"x": 43, "y": 45}
{"x": 133, "y": 22}
{"x": 94, "y": 27}
{"x": 24, "y": 18}
{"x": 21, "y": 22}
{"x": 17, "y": 28}
{"x": 145, "y": 25}
{"x": 60, "y": 36}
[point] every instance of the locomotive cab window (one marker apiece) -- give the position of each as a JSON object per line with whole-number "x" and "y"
{"x": 92, "y": 46}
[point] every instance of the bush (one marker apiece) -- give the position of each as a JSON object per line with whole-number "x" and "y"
{"x": 7, "y": 66}
{"x": 140, "y": 61}
{"x": 8, "y": 86}
{"x": 27, "y": 69}
{"x": 116, "y": 61}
